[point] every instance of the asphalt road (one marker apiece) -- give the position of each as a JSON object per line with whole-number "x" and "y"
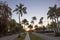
{"x": 47, "y": 37}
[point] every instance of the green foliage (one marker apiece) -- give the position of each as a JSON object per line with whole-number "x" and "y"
{"x": 32, "y": 22}
{"x": 20, "y": 9}
{"x": 13, "y": 23}
{"x": 30, "y": 26}
{"x": 53, "y": 12}
{"x": 52, "y": 25}
{"x": 41, "y": 20}
{"x": 4, "y": 17}
{"x": 36, "y": 26}
{"x": 34, "y": 18}
{"x": 24, "y": 21}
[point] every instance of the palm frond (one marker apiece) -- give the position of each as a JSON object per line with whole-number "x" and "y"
{"x": 15, "y": 10}
{"x": 24, "y": 10}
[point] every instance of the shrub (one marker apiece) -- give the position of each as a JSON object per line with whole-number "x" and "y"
{"x": 57, "y": 34}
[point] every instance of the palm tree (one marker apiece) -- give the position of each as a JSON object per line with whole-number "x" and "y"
{"x": 20, "y": 10}
{"x": 33, "y": 18}
{"x": 54, "y": 13}
{"x": 40, "y": 21}
{"x": 25, "y": 22}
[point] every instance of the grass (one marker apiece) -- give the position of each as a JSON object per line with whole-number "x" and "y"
{"x": 21, "y": 38}
{"x": 34, "y": 37}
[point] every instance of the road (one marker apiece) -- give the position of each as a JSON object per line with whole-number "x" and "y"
{"x": 9, "y": 37}
{"x": 46, "y": 37}
{"x": 27, "y": 36}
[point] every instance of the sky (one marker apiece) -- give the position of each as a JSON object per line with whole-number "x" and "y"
{"x": 38, "y": 8}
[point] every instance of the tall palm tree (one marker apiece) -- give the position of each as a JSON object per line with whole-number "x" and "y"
{"x": 54, "y": 14}
{"x": 20, "y": 10}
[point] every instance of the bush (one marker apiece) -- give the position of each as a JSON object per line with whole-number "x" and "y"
{"x": 57, "y": 34}
{"x": 45, "y": 31}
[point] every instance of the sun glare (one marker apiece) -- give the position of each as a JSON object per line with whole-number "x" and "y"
{"x": 27, "y": 29}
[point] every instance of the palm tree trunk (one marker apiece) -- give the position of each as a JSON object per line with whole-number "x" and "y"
{"x": 19, "y": 23}
{"x": 19, "y": 18}
{"x": 57, "y": 25}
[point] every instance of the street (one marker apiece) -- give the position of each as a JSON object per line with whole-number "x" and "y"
{"x": 46, "y": 37}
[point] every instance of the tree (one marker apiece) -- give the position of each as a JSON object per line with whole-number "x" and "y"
{"x": 20, "y": 10}
{"x": 25, "y": 22}
{"x": 53, "y": 26}
{"x": 44, "y": 28}
{"x": 33, "y": 18}
{"x": 13, "y": 24}
{"x": 32, "y": 22}
{"x": 19, "y": 27}
{"x": 5, "y": 14}
{"x": 30, "y": 26}
{"x": 36, "y": 26}
{"x": 54, "y": 13}
{"x": 40, "y": 21}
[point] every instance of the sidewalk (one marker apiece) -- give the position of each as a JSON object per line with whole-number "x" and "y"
{"x": 9, "y": 37}
{"x": 27, "y": 36}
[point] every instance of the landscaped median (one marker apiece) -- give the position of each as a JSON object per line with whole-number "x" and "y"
{"x": 34, "y": 37}
{"x": 21, "y": 38}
